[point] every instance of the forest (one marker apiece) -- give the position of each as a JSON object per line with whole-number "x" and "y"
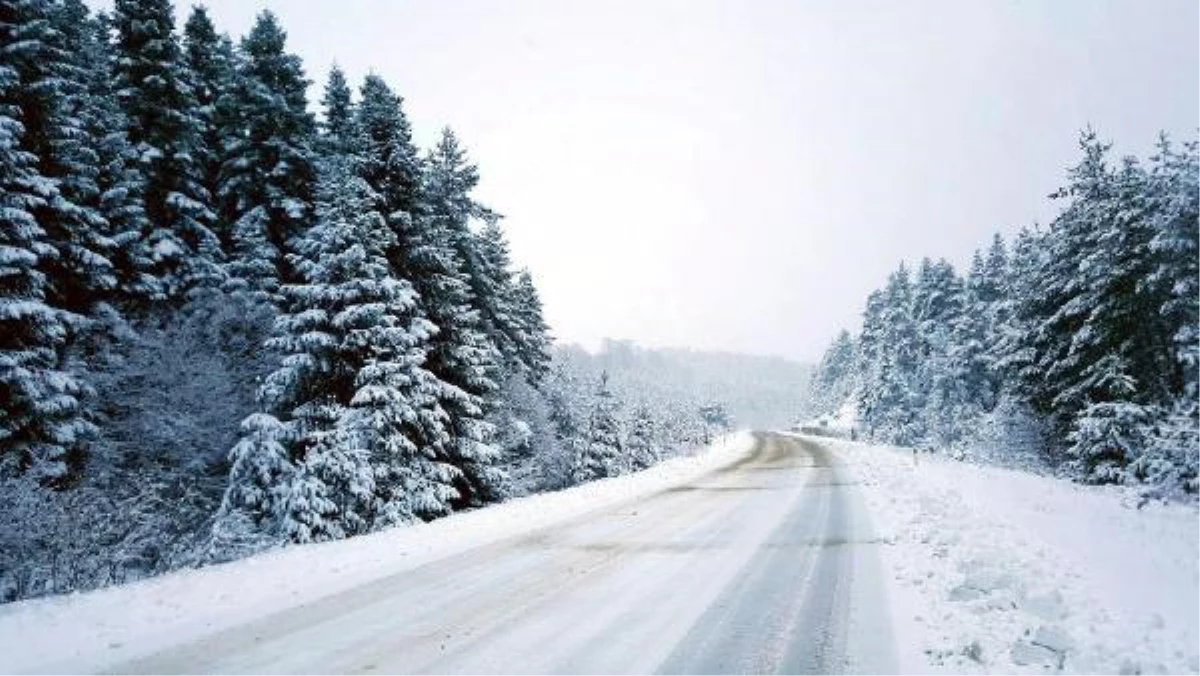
{"x": 1072, "y": 348}
{"x": 227, "y": 323}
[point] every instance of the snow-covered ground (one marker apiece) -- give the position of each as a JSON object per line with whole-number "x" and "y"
{"x": 994, "y": 570}
{"x": 92, "y": 631}
{"x": 987, "y": 570}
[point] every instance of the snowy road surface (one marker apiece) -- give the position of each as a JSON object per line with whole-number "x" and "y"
{"x": 765, "y": 565}
{"x": 752, "y": 555}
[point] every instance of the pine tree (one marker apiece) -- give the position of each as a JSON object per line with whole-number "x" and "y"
{"x": 268, "y": 173}
{"x": 990, "y": 297}
{"x": 338, "y": 131}
{"x": 508, "y": 304}
{"x": 1171, "y": 458}
{"x": 460, "y": 354}
{"x": 390, "y": 165}
{"x": 428, "y": 213}
{"x": 152, "y": 86}
{"x": 715, "y": 419}
{"x": 1052, "y": 316}
{"x": 1126, "y": 371}
{"x": 642, "y": 441}
{"x": 834, "y": 378}
{"x": 939, "y": 380}
{"x": 332, "y": 495}
{"x": 870, "y": 353}
{"x": 41, "y": 423}
{"x": 1100, "y": 353}
{"x": 260, "y": 470}
{"x": 532, "y": 333}
{"x": 490, "y": 268}
{"x": 52, "y": 99}
{"x": 1168, "y": 462}
{"x": 1129, "y": 309}
{"x": 889, "y": 405}
{"x": 1011, "y": 353}
{"x": 119, "y": 181}
{"x": 211, "y": 66}
{"x": 1175, "y": 204}
{"x": 360, "y": 411}
{"x": 970, "y": 338}
{"x": 565, "y": 397}
{"x": 600, "y": 452}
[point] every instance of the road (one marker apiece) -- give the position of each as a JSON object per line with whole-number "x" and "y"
{"x": 767, "y": 565}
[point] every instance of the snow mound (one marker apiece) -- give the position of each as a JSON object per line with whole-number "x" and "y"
{"x": 1000, "y": 571}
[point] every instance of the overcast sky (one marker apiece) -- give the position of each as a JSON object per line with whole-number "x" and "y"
{"x": 739, "y": 175}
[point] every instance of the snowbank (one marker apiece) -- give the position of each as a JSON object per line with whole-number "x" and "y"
{"x": 996, "y": 570}
{"x": 88, "y": 632}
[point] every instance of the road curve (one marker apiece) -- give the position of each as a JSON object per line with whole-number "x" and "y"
{"x": 767, "y": 565}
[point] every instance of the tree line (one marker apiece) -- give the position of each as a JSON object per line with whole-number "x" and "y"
{"x": 227, "y": 323}
{"x": 1073, "y": 345}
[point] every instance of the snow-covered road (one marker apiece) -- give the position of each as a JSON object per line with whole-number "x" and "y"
{"x": 754, "y": 555}
{"x": 764, "y": 565}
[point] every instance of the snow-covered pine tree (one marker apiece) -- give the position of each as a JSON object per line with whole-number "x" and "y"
{"x": 834, "y": 378}
{"x": 461, "y": 354}
{"x": 1009, "y": 352}
{"x": 566, "y": 400}
{"x": 1010, "y": 429}
{"x": 261, "y": 468}
{"x": 971, "y": 334}
{"x": 990, "y": 296}
{"x": 1175, "y": 243}
{"x": 118, "y": 179}
{"x": 533, "y": 338}
{"x": 359, "y": 411}
{"x": 267, "y": 176}
{"x": 41, "y": 423}
{"x": 530, "y": 454}
{"x": 869, "y": 354}
{"x": 1107, "y": 371}
{"x": 1129, "y": 308}
{"x": 51, "y": 98}
{"x": 715, "y": 420}
{"x": 642, "y": 442}
{"x": 211, "y": 68}
{"x": 1168, "y": 463}
{"x": 940, "y": 384}
{"x": 426, "y": 231}
{"x": 490, "y": 267}
{"x": 1170, "y": 460}
{"x": 1101, "y": 354}
{"x": 390, "y": 164}
{"x": 889, "y": 405}
{"x": 601, "y": 453}
{"x": 1057, "y": 310}
{"x": 338, "y": 132}
{"x": 152, "y": 86}
{"x": 508, "y": 304}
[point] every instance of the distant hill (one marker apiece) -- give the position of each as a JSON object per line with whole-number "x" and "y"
{"x": 758, "y": 392}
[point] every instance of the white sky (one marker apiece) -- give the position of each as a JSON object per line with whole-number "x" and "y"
{"x": 739, "y": 175}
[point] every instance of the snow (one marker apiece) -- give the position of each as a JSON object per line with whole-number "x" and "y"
{"x": 1000, "y": 571}
{"x": 92, "y": 631}
{"x": 987, "y": 570}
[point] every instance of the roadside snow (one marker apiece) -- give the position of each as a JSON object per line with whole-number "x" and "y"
{"x": 995, "y": 570}
{"x": 88, "y": 632}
